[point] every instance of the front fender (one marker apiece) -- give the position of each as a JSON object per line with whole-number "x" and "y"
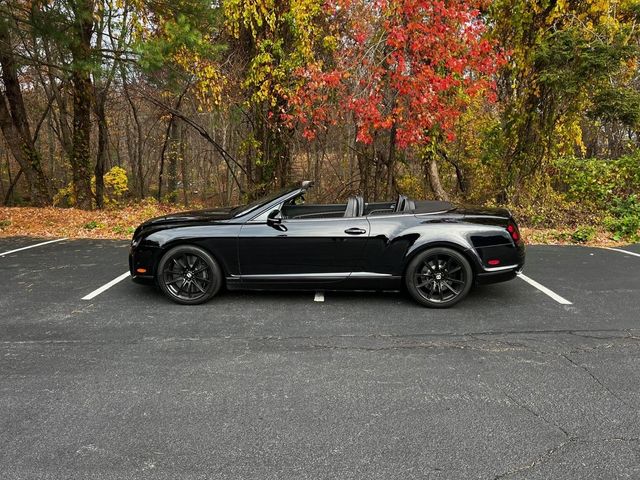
{"x": 219, "y": 240}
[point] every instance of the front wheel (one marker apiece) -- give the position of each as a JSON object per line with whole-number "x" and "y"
{"x": 189, "y": 275}
{"x": 439, "y": 277}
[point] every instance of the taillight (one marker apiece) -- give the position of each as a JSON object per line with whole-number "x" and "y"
{"x": 512, "y": 228}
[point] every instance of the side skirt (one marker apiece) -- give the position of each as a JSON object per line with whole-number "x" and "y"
{"x": 311, "y": 283}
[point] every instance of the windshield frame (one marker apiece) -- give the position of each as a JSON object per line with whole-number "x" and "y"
{"x": 253, "y": 207}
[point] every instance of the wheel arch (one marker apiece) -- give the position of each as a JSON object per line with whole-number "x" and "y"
{"x": 465, "y": 251}
{"x": 189, "y": 242}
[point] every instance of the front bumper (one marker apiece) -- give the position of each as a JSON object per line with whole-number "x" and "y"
{"x": 142, "y": 264}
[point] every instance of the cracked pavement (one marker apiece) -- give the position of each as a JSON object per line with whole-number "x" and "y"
{"x": 507, "y": 385}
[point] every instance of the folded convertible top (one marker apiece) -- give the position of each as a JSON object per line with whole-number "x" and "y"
{"x": 432, "y": 206}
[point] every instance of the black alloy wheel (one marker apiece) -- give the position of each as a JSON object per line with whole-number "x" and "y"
{"x": 439, "y": 277}
{"x": 189, "y": 275}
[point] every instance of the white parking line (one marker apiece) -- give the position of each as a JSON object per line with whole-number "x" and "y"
{"x": 106, "y": 286}
{"x": 622, "y": 251}
{"x": 319, "y": 297}
{"x": 545, "y": 290}
{"x": 32, "y": 246}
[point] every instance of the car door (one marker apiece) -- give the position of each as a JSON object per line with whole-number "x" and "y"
{"x": 323, "y": 250}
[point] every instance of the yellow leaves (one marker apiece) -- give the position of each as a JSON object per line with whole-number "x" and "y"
{"x": 116, "y": 185}
{"x": 249, "y": 14}
{"x": 569, "y": 136}
{"x": 330, "y": 42}
{"x": 285, "y": 36}
{"x": 209, "y": 80}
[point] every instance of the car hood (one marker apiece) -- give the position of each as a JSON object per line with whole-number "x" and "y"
{"x": 192, "y": 216}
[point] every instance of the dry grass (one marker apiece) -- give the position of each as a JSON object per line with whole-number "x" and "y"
{"x": 120, "y": 223}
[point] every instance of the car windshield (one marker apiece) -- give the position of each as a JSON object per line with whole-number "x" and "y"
{"x": 244, "y": 209}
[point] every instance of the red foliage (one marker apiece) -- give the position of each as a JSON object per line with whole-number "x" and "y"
{"x": 409, "y": 64}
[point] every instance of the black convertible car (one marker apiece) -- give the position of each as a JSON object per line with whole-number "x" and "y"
{"x": 435, "y": 249}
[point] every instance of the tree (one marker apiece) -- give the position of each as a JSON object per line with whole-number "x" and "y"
{"x": 14, "y": 121}
{"x": 180, "y": 54}
{"x": 404, "y": 69}
{"x": 563, "y": 57}
{"x": 272, "y": 39}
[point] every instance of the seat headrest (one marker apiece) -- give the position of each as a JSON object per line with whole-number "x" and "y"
{"x": 352, "y": 207}
{"x": 355, "y": 207}
{"x": 360, "y": 200}
{"x": 401, "y": 203}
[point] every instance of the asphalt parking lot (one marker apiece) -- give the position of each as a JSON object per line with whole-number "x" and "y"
{"x": 513, "y": 383}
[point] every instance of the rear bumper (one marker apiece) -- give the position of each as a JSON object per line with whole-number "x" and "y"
{"x": 511, "y": 258}
{"x": 486, "y": 278}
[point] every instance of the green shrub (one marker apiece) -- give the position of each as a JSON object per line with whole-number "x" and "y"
{"x": 624, "y": 221}
{"x": 583, "y": 234}
{"x": 115, "y": 187}
{"x": 92, "y": 225}
{"x": 5, "y": 223}
{"x": 120, "y": 230}
{"x": 598, "y": 182}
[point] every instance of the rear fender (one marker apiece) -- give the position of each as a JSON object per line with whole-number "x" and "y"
{"x": 463, "y": 247}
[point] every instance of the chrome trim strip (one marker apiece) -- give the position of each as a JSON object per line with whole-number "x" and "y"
{"x": 369, "y": 275}
{"x": 294, "y": 276}
{"x": 312, "y": 276}
{"x": 500, "y": 269}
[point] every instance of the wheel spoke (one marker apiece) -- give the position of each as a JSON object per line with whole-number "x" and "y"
{"x": 181, "y": 287}
{"x": 455, "y": 292}
{"x": 197, "y": 285}
{"x": 171, "y": 282}
{"x": 178, "y": 262}
{"x": 449, "y": 279}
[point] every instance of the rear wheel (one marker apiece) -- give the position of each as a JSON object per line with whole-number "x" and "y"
{"x": 439, "y": 277}
{"x": 189, "y": 275}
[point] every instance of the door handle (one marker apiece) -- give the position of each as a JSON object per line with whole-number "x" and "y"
{"x": 355, "y": 231}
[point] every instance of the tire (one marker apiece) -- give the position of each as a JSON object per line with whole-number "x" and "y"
{"x": 439, "y": 277}
{"x": 189, "y": 275}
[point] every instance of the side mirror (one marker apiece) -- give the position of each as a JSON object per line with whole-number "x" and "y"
{"x": 274, "y": 219}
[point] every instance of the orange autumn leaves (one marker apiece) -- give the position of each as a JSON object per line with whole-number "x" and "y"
{"x": 404, "y": 66}
{"x": 76, "y": 223}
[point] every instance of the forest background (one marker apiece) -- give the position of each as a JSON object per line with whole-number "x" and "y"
{"x": 112, "y": 111}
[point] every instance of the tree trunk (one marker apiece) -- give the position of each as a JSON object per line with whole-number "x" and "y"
{"x": 82, "y": 100}
{"x": 103, "y": 151}
{"x": 431, "y": 167}
{"x": 14, "y": 124}
{"x": 163, "y": 152}
{"x": 184, "y": 168}
{"x": 81, "y": 151}
{"x": 174, "y": 158}
{"x": 391, "y": 162}
{"x": 137, "y": 166}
